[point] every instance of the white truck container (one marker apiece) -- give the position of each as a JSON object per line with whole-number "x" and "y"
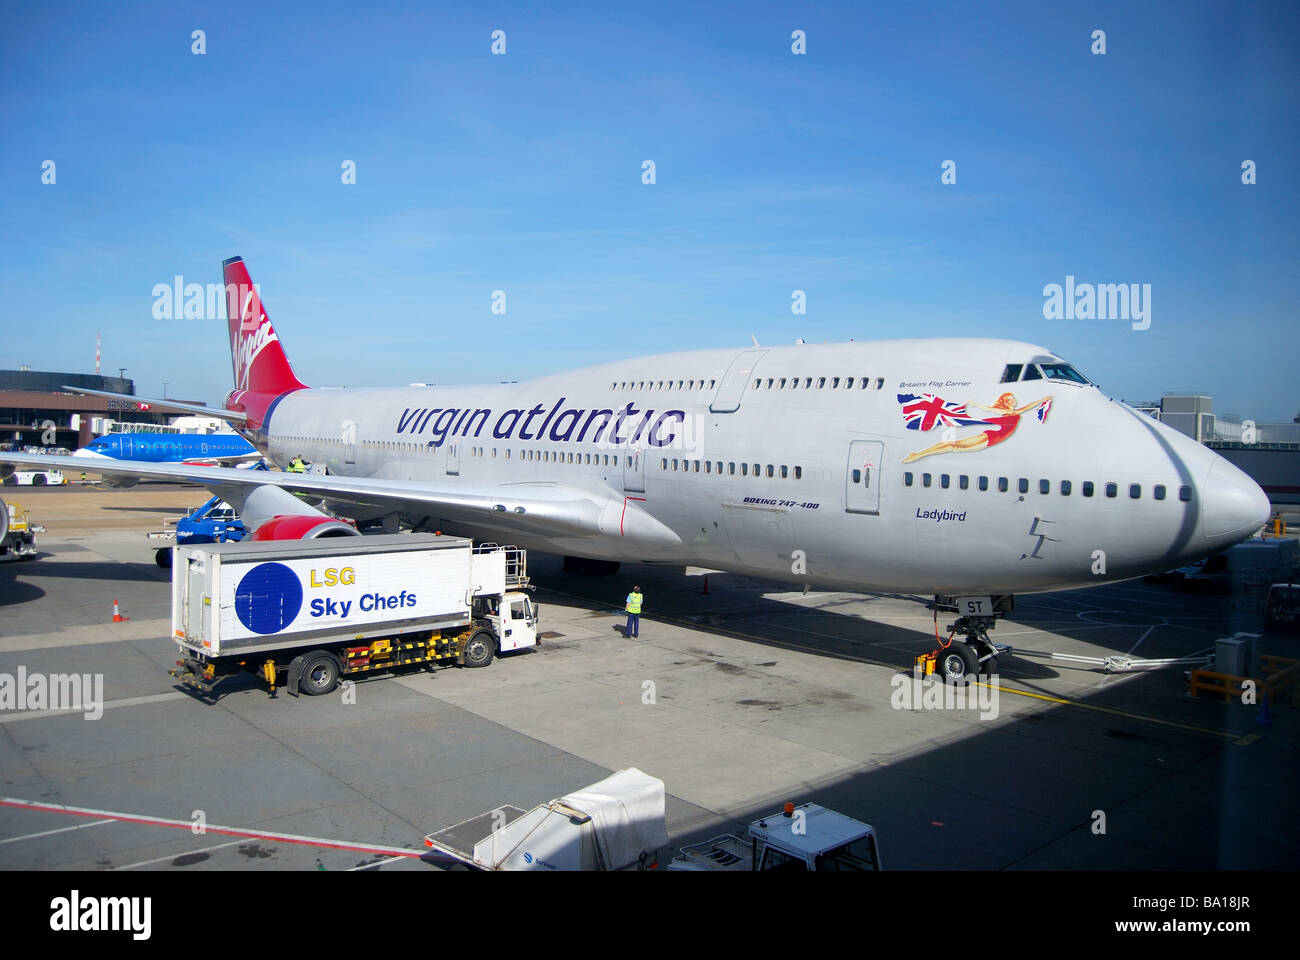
{"x": 318, "y": 610}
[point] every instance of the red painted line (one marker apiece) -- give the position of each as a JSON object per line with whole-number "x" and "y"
{"x": 225, "y": 831}
{"x": 624, "y": 513}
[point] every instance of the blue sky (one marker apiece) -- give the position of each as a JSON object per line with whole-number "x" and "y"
{"x": 775, "y": 172}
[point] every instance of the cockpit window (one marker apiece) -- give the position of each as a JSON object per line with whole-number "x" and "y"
{"x": 1062, "y": 371}
{"x": 1012, "y": 373}
{"x": 1031, "y": 372}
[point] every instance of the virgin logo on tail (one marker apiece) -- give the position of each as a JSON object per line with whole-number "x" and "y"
{"x": 247, "y": 314}
{"x": 249, "y": 347}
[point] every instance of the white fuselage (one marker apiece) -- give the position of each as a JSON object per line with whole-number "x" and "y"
{"x": 736, "y": 468}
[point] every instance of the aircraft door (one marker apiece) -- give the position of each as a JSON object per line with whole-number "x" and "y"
{"x": 634, "y": 471}
{"x": 194, "y": 584}
{"x": 727, "y": 399}
{"x": 863, "y": 476}
{"x": 348, "y": 434}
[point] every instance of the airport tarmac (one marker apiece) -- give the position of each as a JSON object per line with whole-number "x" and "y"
{"x": 738, "y": 699}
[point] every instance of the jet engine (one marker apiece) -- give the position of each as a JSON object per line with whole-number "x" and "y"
{"x": 273, "y": 513}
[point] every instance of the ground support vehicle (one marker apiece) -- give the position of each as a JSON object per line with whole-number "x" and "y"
{"x": 317, "y": 611}
{"x": 803, "y": 838}
{"x": 615, "y": 824}
{"x": 17, "y": 532}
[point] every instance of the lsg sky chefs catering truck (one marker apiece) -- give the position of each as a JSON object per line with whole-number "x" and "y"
{"x": 317, "y": 610}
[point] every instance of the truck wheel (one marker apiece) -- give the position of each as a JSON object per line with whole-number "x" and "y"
{"x": 958, "y": 664}
{"x": 163, "y": 557}
{"x": 479, "y": 649}
{"x": 38, "y": 480}
{"x": 320, "y": 674}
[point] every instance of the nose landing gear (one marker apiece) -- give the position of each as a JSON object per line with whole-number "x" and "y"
{"x": 973, "y": 652}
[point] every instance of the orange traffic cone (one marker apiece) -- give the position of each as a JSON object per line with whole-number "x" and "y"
{"x": 117, "y": 614}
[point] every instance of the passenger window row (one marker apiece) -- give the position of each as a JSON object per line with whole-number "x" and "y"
{"x": 565, "y": 456}
{"x": 663, "y": 385}
{"x": 1064, "y": 487}
{"x": 396, "y": 446}
{"x": 744, "y": 469}
{"x": 819, "y": 383}
{"x": 318, "y": 441}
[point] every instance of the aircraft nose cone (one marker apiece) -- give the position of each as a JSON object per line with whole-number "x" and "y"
{"x": 1234, "y": 506}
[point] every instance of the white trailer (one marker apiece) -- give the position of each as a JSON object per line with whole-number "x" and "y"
{"x": 615, "y": 824}
{"x": 319, "y": 610}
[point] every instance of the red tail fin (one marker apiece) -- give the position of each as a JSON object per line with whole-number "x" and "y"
{"x": 259, "y": 360}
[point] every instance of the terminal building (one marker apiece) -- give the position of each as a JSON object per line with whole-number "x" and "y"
{"x": 35, "y": 410}
{"x": 1268, "y": 452}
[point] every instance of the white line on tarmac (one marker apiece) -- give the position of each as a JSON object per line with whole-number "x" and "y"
{"x": 47, "y": 833}
{"x": 1145, "y": 635}
{"x": 210, "y": 828}
{"x": 371, "y": 866}
{"x": 109, "y": 704}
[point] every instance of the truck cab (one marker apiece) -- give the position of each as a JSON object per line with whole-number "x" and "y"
{"x": 798, "y": 839}
{"x": 513, "y": 619}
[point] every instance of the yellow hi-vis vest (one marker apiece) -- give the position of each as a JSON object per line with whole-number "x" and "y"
{"x": 634, "y": 603}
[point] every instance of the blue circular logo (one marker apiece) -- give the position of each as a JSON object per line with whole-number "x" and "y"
{"x": 268, "y": 598}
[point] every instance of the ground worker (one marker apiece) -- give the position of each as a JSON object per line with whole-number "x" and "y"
{"x": 633, "y": 613}
{"x": 296, "y": 465}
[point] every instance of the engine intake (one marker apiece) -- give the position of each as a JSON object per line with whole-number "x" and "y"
{"x": 303, "y": 527}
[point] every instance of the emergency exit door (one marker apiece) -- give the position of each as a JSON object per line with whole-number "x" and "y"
{"x": 727, "y": 399}
{"x": 863, "y": 477}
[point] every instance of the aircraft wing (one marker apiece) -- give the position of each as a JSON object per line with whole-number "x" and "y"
{"x": 548, "y": 509}
{"x": 237, "y": 416}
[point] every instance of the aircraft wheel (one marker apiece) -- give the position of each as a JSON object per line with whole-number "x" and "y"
{"x": 958, "y": 664}
{"x": 163, "y": 557}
